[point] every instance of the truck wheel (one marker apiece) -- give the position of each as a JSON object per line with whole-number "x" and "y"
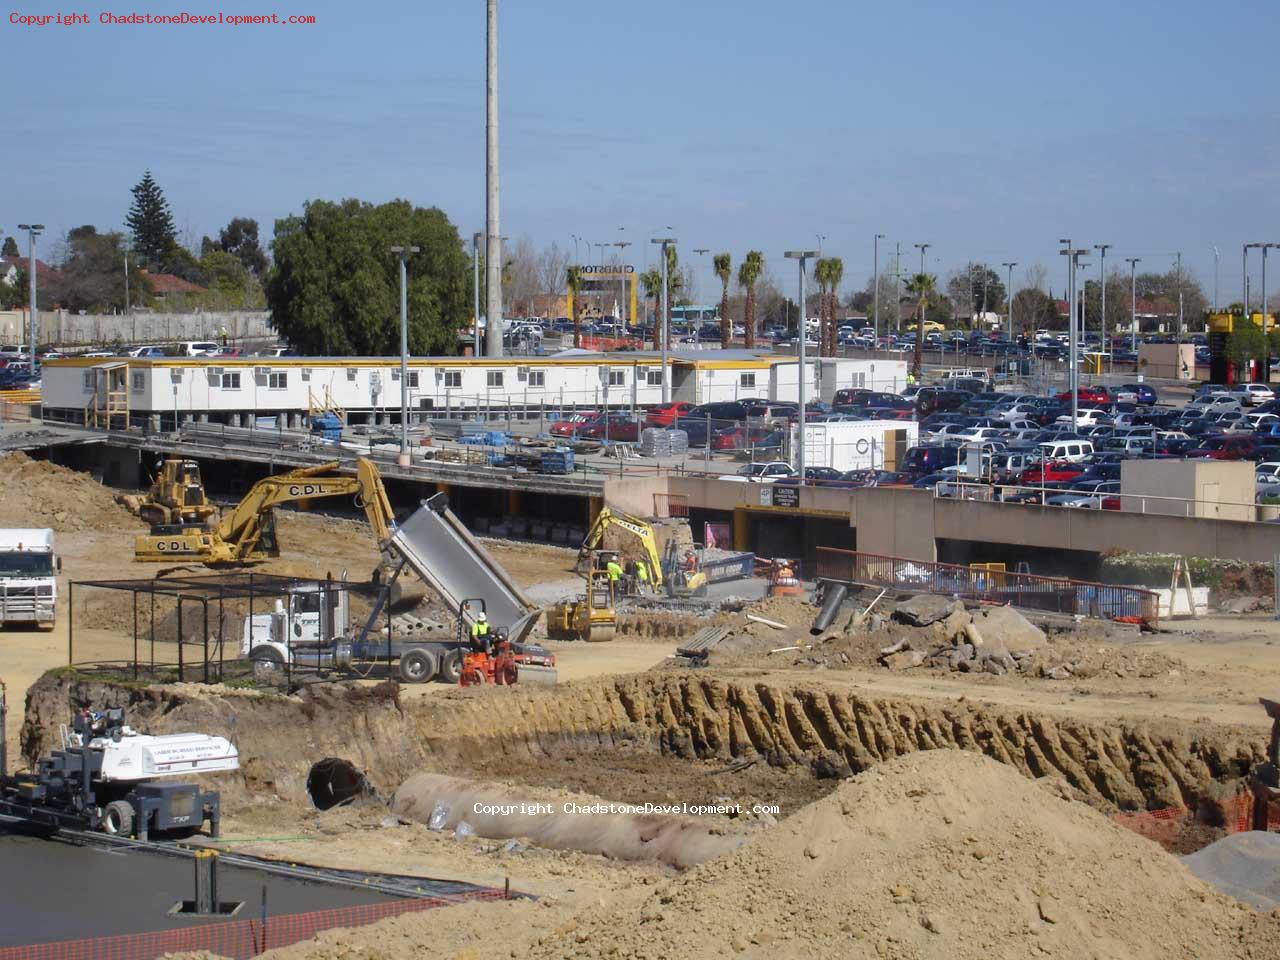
{"x": 417, "y": 666}
{"x": 267, "y": 662}
{"x": 117, "y": 819}
{"x": 450, "y": 667}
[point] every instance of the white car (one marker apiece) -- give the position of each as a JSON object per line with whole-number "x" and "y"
{"x": 978, "y": 434}
{"x": 1086, "y": 499}
{"x": 1262, "y": 421}
{"x": 769, "y": 472}
{"x": 1084, "y": 418}
{"x": 1217, "y": 403}
{"x": 1252, "y": 394}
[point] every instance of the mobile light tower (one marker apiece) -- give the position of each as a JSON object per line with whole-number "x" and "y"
{"x": 1133, "y": 301}
{"x": 664, "y": 242}
{"x": 802, "y": 256}
{"x": 493, "y": 253}
{"x": 1008, "y": 292}
{"x": 33, "y": 231}
{"x": 403, "y": 253}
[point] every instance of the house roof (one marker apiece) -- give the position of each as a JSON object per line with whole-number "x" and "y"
{"x": 43, "y": 270}
{"x": 164, "y": 283}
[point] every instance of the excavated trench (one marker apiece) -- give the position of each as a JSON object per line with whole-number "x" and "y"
{"x": 651, "y": 736}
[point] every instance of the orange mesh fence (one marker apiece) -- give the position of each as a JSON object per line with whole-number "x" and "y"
{"x": 1164, "y": 826}
{"x": 233, "y": 938}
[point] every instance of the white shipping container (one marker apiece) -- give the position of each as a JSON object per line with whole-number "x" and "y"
{"x": 852, "y": 444}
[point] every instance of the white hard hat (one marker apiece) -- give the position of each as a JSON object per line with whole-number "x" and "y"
{"x": 481, "y": 617}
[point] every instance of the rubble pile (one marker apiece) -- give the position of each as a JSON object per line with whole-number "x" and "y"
{"x": 995, "y": 640}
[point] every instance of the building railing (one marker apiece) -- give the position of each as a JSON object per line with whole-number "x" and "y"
{"x": 1052, "y": 594}
{"x": 1130, "y": 502}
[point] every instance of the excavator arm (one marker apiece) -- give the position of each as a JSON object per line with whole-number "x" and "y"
{"x": 633, "y": 525}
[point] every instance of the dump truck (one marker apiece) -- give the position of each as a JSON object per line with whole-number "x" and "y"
{"x": 28, "y": 577}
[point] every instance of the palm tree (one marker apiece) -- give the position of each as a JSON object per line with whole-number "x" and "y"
{"x": 748, "y": 273}
{"x": 573, "y": 284}
{"x": 652, "y": 280}
{"x": 835, "y": 273}
{"x": 924, "y": 287}
{"x": 724, "y": 270}
{"x": 820, "y": 272}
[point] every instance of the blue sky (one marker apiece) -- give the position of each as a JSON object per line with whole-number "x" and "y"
{"x": 989, "y": 130}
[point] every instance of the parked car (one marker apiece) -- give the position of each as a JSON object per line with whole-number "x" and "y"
{"x": 616, "y": 427}
{"x": 665, "y": 415}
{"x": 1049, "y": 471}
{"x": 1143, "y": 393}
{"x": 768, "y": 472}
{"x": 571, "y": 424}
{"x": 1234, "y": 447}
{"x": 1086, "y": 395}
{"x": 1251, "y": 394}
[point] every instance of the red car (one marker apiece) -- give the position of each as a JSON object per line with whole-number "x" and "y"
{"x": 620, "y": 427}
{"x": 573, "y": 424}
{"x": 1087, "y": 395}
{"x": 1225, "y": 448}
{"x": 1051, "y": 472}
{"x": 665, "y": 415}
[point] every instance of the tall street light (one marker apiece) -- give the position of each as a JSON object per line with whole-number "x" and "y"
{"x": 1265, "y": 247}
{"x": 493, "y": 253}
{"x": 403, "y": 253}
{"x": 1181, "y": 329}
{"x": 897, "y": 288}
{"x": 665, "y": 242}
{"x": 1244, "y": 277}
{"x": 922, "y": 247}
{"x": 875, "y": 283}
{"x": 801, "y": 256}
{"x": 1133, "y": 301}
{"x": 1008, "y": 292}
{"x": 622, "y": 245}
{"x": 1073, "y": 256}
{"x": 1102, "y": 249}
{"x": 1217, "y": 257}
{"x": 475, "y": 288}
{"x": 33, "y": 231}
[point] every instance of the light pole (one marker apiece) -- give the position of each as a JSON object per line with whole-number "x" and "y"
{"x": 1008, "y": 291}
{"x": 897, "y": 287}
{"x": 1265, "y": 247}
{"x": 475, "y": 287}
{"x": 493, "y": 254}
{"x": 1133, "y": 301}
{"x": 33, "y": 231}
{"x": 1217, "y": 256}
{"x": 801, "y": 256}
{"x": 1181, "y": 329}
{"x": 1244, "y": 278}
{"x": 622, "y": 303}
{"x": 875, "y": 283}
{"x": 1073, "y": 256}
{"x": 666, "y": 334}
{"x": 1102, "y": 249}
{"x": 922, "y": 247}
{"x": 403, "y": 253}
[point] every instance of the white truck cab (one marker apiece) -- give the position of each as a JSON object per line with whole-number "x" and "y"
{"x": 28, "y": 577}
{"x": 297, "y": 630}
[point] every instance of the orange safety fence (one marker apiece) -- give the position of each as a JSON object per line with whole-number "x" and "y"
{"x": 239, "y": 939}
{"x": 1167, "y": 825}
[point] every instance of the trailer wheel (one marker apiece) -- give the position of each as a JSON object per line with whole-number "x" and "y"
{"x": 117, "y": 819}
{"x": 450, "y": 667}
{"x": 417, "y": 666}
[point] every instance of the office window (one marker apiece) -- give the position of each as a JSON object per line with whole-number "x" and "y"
{"x": 88, "y": 380}
{"x": 278, "y": 381}
{"x": 493, "y": 378}
{"x": 231, "y": 380}
{"x": 537, "y": 378}
{"x": 413, "y": 379}
{"x": 747, "y": 380}
{"x": 617, "y": 378}
{"x": 453, "y": 379}
{"x": 351, "y": 373}
{"x": 306, "y": 374}
{"x": 653, "y": 376}
{"x": 137, "y": 382}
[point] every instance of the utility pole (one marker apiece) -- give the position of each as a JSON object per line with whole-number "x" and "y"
{"x": 666, "y": 334}
{"x": 875, "y": 285}
{"x": 33, "y": 231}
{"x": 403, "y": 253}
{"x": 475, "y": 288}
{"x": 801, "y": 256}
{"x": 1102, "y": 249}
{"x": 897, "y": 276}
{"x": 1133, "y": 301}
{"x": 622, "y": 269}
{"x": 1244, "y": 278}
{"x": 1216, "y": 257}
{"x": 1009, "y": 293}
{"x": 493, "y": 247}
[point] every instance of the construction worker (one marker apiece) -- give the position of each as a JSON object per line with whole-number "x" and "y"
{"x": 480, "y": 633}
{"x": 642, "y": 577}
{"x": 614, "y": 569}
{"x": 911, "y": 379}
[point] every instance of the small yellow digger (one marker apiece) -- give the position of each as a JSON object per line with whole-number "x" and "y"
{"x": 592, "y": 617}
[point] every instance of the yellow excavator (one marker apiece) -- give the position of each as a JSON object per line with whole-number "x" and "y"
{"x": 683, "y": 578}
{"x": 246, "y": 534}
{"x": 176, "y": 495}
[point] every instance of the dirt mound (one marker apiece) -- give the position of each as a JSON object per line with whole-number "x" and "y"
{"x": 37, "y": 493}
{"x": 942, "y": 854}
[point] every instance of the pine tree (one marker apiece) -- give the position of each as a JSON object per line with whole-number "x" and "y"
{"x": 10, "y": 248}
{"x": 150, "y": 221}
